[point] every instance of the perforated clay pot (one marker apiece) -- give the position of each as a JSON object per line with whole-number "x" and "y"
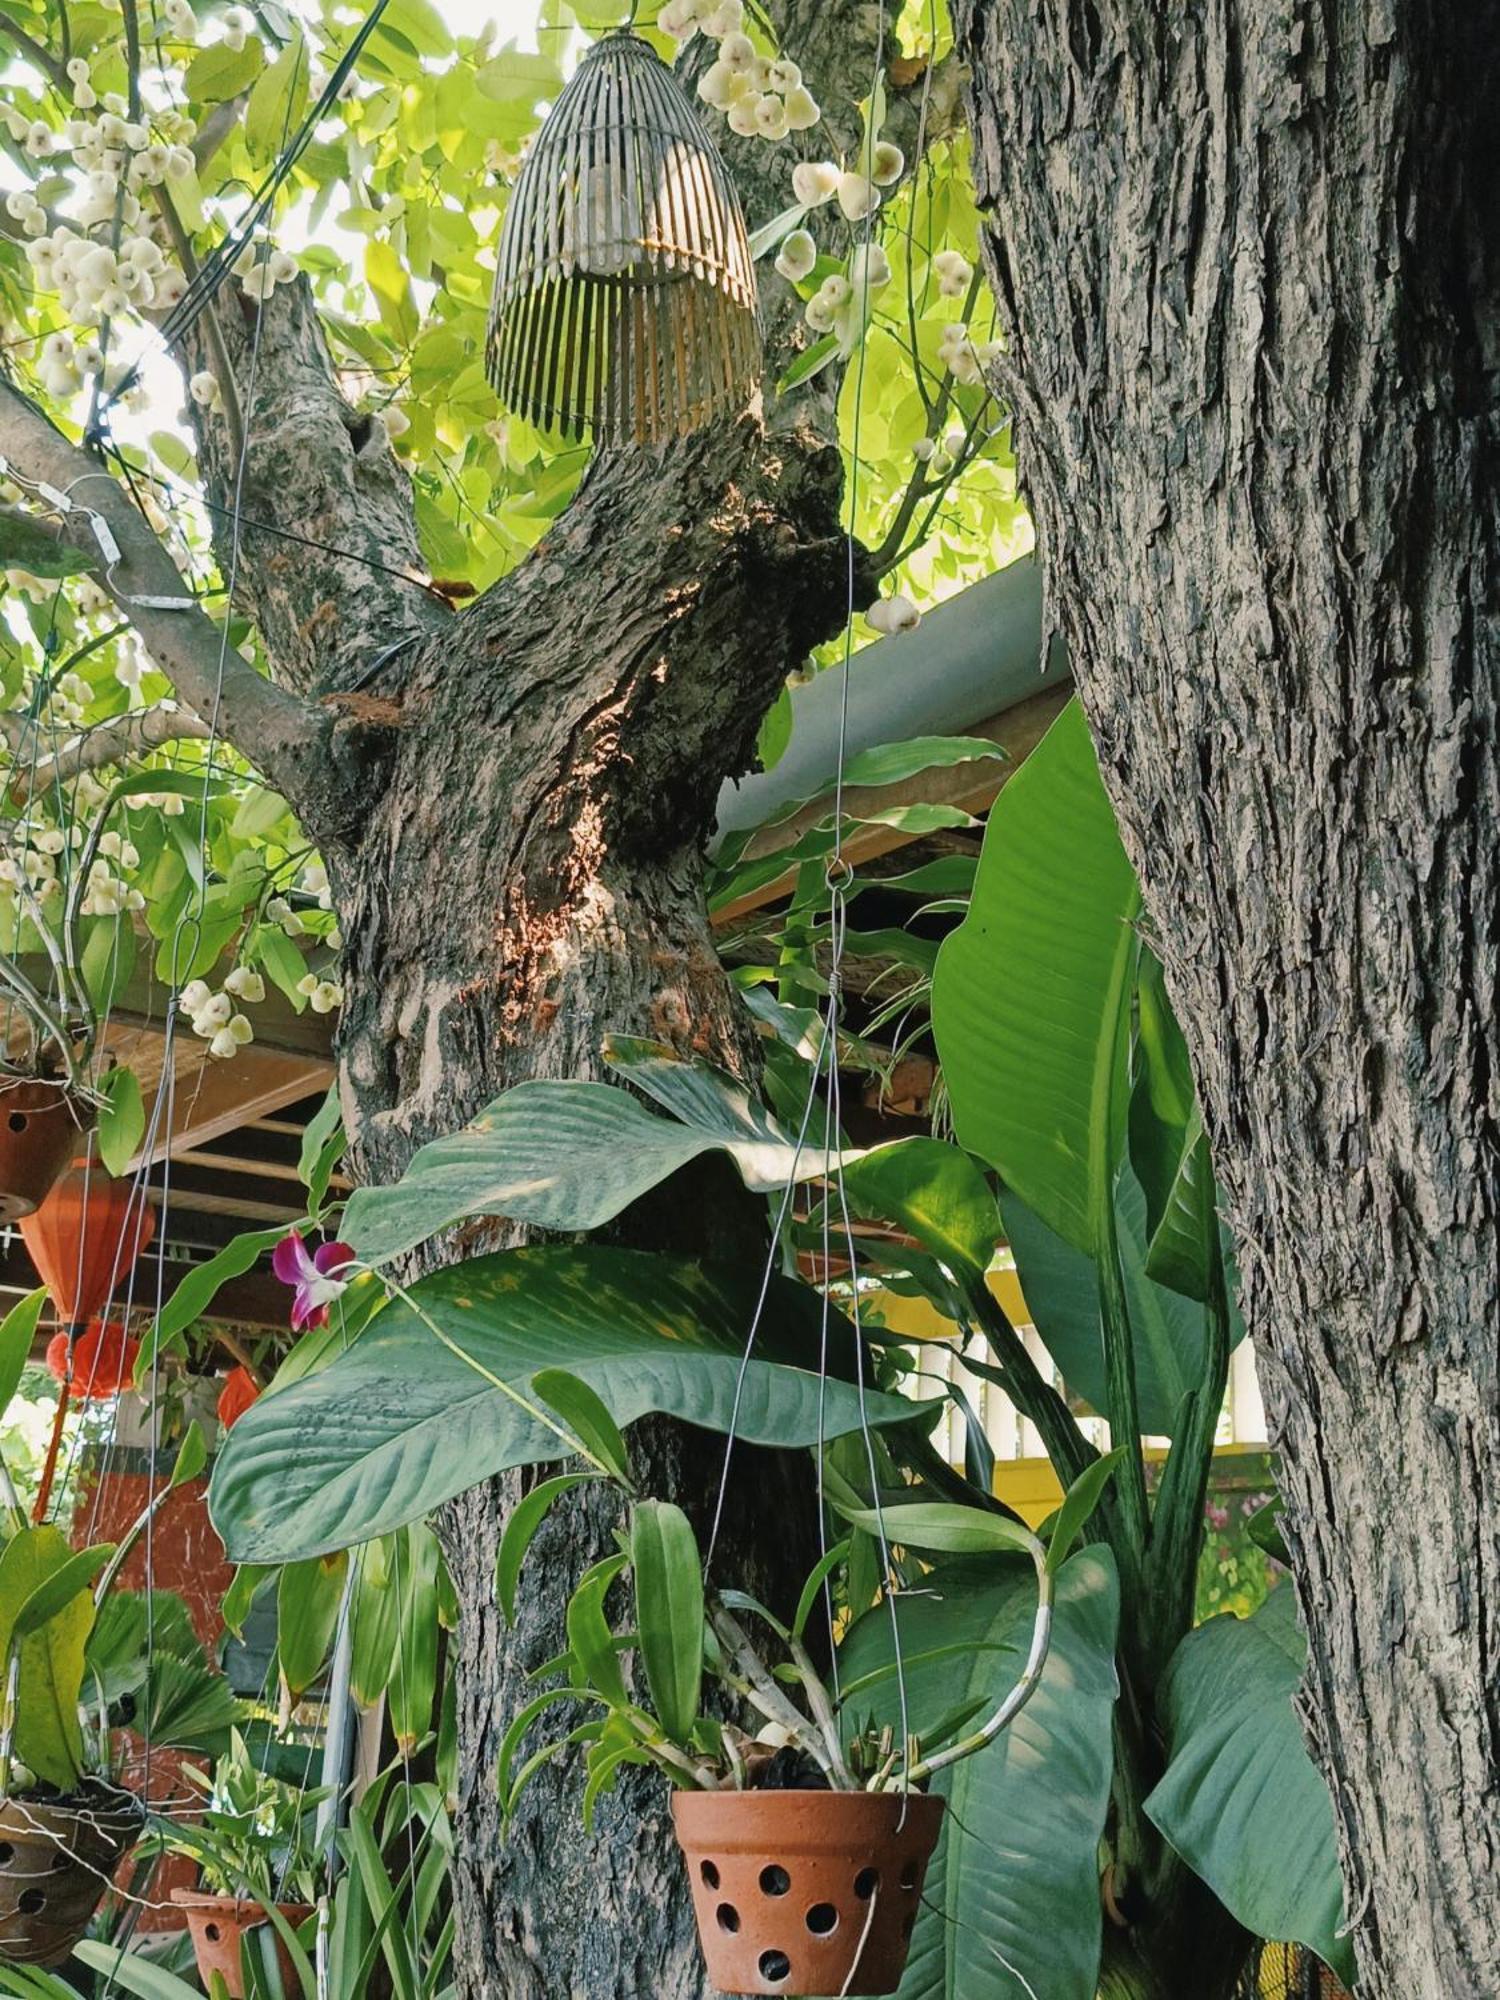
{"x": 217, "y": 1924}
{"x": 41, "y": 1128}
{"x": 806, "y": 1892}
{"x": 56, "y": 1861}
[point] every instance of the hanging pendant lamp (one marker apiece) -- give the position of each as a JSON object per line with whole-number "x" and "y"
{"x": 85, "y": 1239}
{"x": 625, "y": 290}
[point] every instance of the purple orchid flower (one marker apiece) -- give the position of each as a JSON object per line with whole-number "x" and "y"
{"x": 311, "y": 1276}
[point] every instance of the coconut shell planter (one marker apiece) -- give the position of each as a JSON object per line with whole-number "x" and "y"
{"x": 41, "y": 1125}
{"x": 219, "y": 1923}
{"x": 56, "y": 1861}
{"x": 806, "y": 1892}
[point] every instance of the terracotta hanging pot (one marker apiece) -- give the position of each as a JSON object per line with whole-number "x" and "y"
{"x": 218, "y": 1923}
{"x": 41, "y": 1127}
{"x": 85, "y": 1238}
{"x": 56, "y": 1861}
{"x": 806, "y": 1892}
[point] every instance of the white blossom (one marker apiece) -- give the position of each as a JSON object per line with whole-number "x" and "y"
{"x": 797, "y": 256}
{"x": 814, "y": 182}
{"x": 802, "y": 111}
{"x": 893, "y": 614}
{"x": 858, "y": 196}
{"x": 888, "y": 163}
{"x": 953, "y": 272}
{"x": 245, "y": 984}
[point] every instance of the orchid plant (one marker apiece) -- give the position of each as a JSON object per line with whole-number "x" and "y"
{"x": 690, "y": 1638}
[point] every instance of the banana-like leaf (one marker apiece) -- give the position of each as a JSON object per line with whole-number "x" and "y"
{"x": 1169, "y": 1332}
{"x": 436, "y": 1394}
{"x": 1242, "y": 1801}
{"x": 1011, "y": 1904}
{"x": 413, "y": 1681}
{"x": 934, "y": 1191}
{"x": 1032, "y": 991}
{"x": 572, "y": 1155}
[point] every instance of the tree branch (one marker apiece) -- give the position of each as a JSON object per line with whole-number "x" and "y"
{"x": 281, "y": 735}
{"x": 51, "y": 66}
{"x": 134, "y": 735}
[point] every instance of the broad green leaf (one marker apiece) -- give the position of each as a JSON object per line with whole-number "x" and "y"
{"x": 587, "y": 1417}
{"x": 436, "y": 1394}
{"x": 822, "y": 354}
{"x": 122, "y": 1120}
{"x": 571, "y": 1156}
{"x": 891, "y": 763}
{"x": 1162, "y": 1101}
{"x": 48, "y": 1737}
{"x": 1242, "y": 1801}
{"x": 521, "y": 1527}
{"x": 518, "y": 75}
{"x": 934, "y": 1191}
{"x": 307, "y": 1615}
{"x": 133, "y": 1973}
{"x": 1189, "y": 1233}
{"x": 58, "y": 1589}
{"x": 375, "y": 1613}
{"x": 812, "y": 1590}
{"x": 1032, "y": 989}
{"x": 1079, "y": 1502}
{"x": 17, "y": 1331}
{"x": 413, "y": 1680}
{"x": 277, "y": 102}
{"x": 1015, "y": 1880}
{"x": 386, "y": 275}
{"x": 1062, "y": 1294}
{"x": 669, "y": 1611}
{"x": 945, "y": 1527}
{"x": 219, "y": 72}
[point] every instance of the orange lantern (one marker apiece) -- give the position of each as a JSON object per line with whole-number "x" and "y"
{"x": 239, "y": 1392}
{"x": 101, "y": 1363}
{"x": 85, "y": 1238}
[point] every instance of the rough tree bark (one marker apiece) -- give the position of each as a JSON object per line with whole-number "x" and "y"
{"x": 512, "y": 803}
{"x": 1247, "y": 260}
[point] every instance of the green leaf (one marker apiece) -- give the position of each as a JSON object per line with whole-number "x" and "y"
{"x": 1162, "y": 1102}
{"x": 669, "y": 1611}
{"x": 1031, "y": 990}
{"x": 1265, "y": 1530}
{"x": 137, "y": 1975}
{"x": 122, "y": 1120}
{"x": 813, "y": 1588}
{"x": 809, "y": 363}
{"x": 200, "y": 1287}
{"x": 587, "y": 1417}
{"x": 386, "y": 276}
{"x": 1015, "y": 1880}
{"x": 516, "y": 75}
{"x": 936, "y": 1193}
{"x": 322, "y": 1148}
{"x": 436, "y": 1394}
{"x": 1061, "y": 1287}
{"x": 60, "y": 1587}
{"x": 413, "y": 1680}
{"x": 17, "y": 1331}
{"x": 589, "y": 1634}
{"x": 1242, "y": 1801}
{"x": 893, "y": 763}
{"x": 220, "y": 72}
{"x": 770, "y": 233}
{"x": 571, "y": 1156}
{"x": 307, "y": 1615}
{"x": 278, "y": 102}
{"x": 47, "y": 1736}
{"x": 946, "y": 1527}
{"x": 1188, "y": 1235}
{"x": 525, "y": 1518}
{"x": 1079, "y": 1502}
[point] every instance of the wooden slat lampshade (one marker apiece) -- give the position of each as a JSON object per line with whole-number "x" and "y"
{"x": 625, "y": 291}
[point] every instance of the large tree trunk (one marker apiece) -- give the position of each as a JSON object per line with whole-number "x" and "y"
{"x": 1246, "y": 258}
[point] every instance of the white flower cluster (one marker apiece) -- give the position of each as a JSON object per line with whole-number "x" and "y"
{"x": 323, "y": 995}
{"x": 39, "y": 862}
{"x": 940, "y": 457}
{"x": 260, "y": 269}
{"x": 313, "y": 882}
{"x": 965, "y": 359}
{"x": 859, "y": 194}
{"x": 762, "y": 96}
{"x": 99, "y": 256}
{"x": 214, "y": 1015}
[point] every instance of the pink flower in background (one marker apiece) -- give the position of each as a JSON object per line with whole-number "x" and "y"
{"x": 310, "y": 1276}
{"x": 1218, "y": 1516}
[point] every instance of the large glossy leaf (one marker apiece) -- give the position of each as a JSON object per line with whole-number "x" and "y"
{"x": 435, "y": 1395}
{"x": 1169, "y": 1332}
{"x": 1016, "y": 1876}
{"x": 935, "y": 1191}
{"x": 1032, "y": 990}
{"x": 1242, "y": 1801}
{"x": 48, "y": 1737}
{"x": 571, "y": 1155}
{"x": 308, "y": 1597}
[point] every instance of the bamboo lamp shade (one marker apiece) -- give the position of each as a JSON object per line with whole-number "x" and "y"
{"x": 625, "y": 291}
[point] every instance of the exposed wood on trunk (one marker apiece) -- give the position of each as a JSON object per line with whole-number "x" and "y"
{"x": 1247, "y": 260}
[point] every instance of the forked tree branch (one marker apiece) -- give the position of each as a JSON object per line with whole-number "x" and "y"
{"x": 111, "y": 742}
{"x": 275, "y": 731}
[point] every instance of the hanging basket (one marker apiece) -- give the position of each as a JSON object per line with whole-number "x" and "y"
{"x": 624, "y": 288}
{"x": 56, "y": 1861}
{"x": 806, "y": 1892}
{"x": 41, "y": 1125}
{"x": 218, "y": 1923}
